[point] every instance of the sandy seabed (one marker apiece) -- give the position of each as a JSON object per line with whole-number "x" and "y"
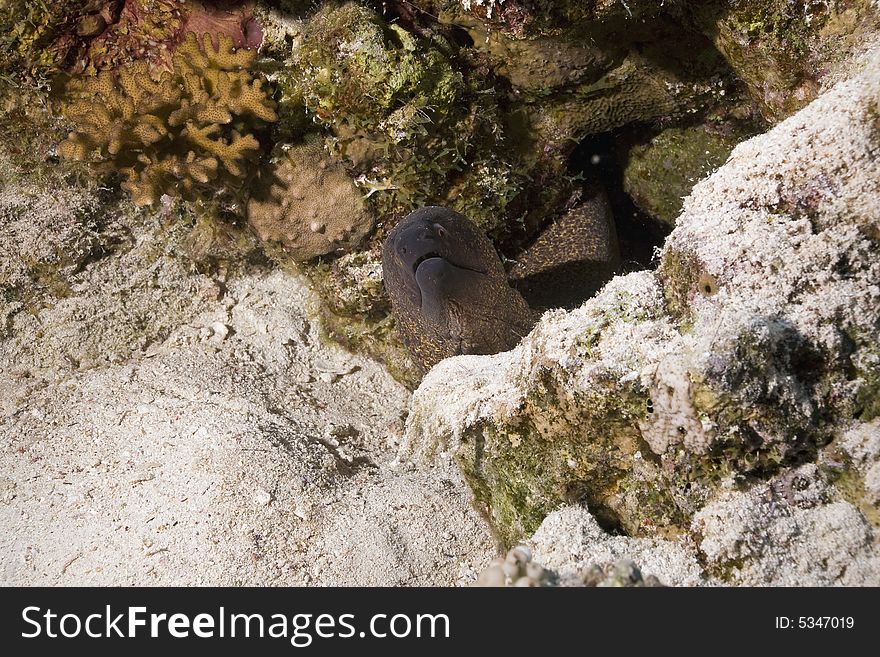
{"x": 227, "y": 447}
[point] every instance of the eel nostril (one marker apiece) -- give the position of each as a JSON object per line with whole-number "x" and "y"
{"x": 439, "y": 230}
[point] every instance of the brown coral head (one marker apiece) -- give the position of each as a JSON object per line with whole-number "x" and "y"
{"x": 309, "y": 205}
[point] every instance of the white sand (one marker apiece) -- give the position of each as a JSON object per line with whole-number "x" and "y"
{"x": 160, "y": 427}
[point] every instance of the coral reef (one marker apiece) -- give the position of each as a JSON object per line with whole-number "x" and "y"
{"x": 184, "y": 133}
{"x": 714, "y": 420}
{"x": 751, "y": 348}
{"x": 308, "y": 204}
{"x": 421, "y": 113}
{"x": 608, "y": 84}
{"x": 521, "y": 18}
{"x": 533, "y": 434}
{"x": 391, "y": 100}
{"x": 792, "y": 530}
{"x": 129, "y": 30}
{"x": 418, "y": 120}
{"x": 782, "y": 49}
{"x": 87, "y": 36}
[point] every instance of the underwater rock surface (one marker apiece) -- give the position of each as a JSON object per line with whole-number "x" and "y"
{"x": 671, "y": 397}
{"x": 174, "y": 291}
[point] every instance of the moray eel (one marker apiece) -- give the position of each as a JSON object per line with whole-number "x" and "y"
{"x": 450, "y": 293}
{"x": 571, "y": 259}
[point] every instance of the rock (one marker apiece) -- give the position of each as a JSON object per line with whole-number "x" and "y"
{"x": 751, "y": 348}
{"x": 219, "y": 331}
{"x": 355, "y": 311}
{"x": 400, "y": 114}
{"x": 90, "y": 25}
{"x": 783, "y": 49}
{"x": 787, "y": 532}
{"x": 661, "y": 171}
{"x": 852, "y": 461}
{"x": 49, "y": 238}
{"x": 571, "y": 544}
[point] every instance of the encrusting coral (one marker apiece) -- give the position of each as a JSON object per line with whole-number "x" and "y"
{"x": 309, "y": 204}
{"x": 182, "y": 133}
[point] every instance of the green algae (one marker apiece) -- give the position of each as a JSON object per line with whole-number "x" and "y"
{"x": 661, "y": 171}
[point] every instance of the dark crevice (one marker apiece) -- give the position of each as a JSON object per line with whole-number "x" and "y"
{"x": 638, "y": 234}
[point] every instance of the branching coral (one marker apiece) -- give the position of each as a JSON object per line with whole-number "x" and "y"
{"x": 181, "y": 133}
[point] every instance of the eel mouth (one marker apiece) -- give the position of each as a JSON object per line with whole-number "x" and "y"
{"x": 422, "y": 258}
{"x": 433, "y": 254}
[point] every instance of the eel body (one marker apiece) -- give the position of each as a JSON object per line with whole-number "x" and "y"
{"x": 450, "y": 293}
{"x": 571, "y": 259}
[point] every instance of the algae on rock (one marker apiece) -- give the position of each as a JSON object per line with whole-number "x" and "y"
{"x": 739, "y": 360}
{"x": 660, "y": 172}
{"x": 356, "y": 313}
{"x": 416, "y": 119}
{"x": 781, "y": 49}
{"x": 32, "y": 35}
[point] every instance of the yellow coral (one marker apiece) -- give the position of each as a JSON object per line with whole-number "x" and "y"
{"x": 229, "y": 154}
{"x": 175, "y": 133}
